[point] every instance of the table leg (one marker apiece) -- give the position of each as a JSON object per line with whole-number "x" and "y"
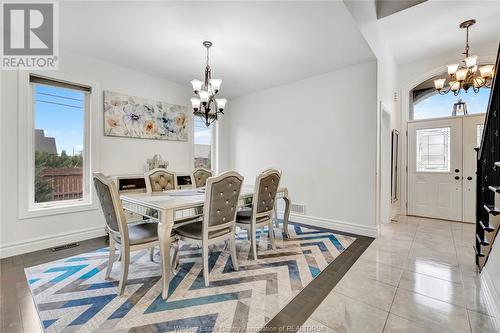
{"x": 286, "y": 215}
{"x": 164, "y": 232}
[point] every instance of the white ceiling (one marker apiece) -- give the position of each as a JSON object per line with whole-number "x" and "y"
{"x": 431, "y": 28}
{"x": 257, "y": 45}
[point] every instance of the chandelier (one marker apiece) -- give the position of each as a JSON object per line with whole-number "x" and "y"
{"x": 466, "y": 74}
{"x": 206, "y": 105}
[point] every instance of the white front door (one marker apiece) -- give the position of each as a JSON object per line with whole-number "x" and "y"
{"x": 472, "y": 132}
{"x": 435, "y": 168}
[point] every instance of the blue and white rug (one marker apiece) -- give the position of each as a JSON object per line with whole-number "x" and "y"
{"x": 72, "y": 295}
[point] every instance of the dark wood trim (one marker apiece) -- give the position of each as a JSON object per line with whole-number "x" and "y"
{"x": 295, "y": 313}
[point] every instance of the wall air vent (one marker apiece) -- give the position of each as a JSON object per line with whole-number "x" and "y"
{"x": 64, "y": 247}
{"x": 298, "y": 208}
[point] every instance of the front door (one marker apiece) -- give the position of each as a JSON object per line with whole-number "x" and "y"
{"x": 435, "y": 168}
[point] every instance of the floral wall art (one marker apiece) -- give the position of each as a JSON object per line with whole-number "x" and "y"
{"x": 135, "y": 117}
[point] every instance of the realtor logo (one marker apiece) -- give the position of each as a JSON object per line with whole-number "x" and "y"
{"x": 29, "y": 35}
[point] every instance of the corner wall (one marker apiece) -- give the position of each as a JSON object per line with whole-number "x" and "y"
{"x": 364, "y": 13}
{"x": 117, "y": 155}
{"x": 321, "y": 132}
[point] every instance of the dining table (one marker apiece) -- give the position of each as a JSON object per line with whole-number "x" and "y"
{"x": 173, "y": 208}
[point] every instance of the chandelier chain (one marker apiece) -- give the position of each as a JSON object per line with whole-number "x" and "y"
{"x": 466, "y": 42}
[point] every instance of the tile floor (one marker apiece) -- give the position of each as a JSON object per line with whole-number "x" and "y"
{"x": 18, "y": 313}
{"x": 417, "y": 276}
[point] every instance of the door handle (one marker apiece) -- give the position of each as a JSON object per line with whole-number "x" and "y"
{"x": 457, "y": 178}
{"x": 457, "y": 170}
{"x": 469, "y": 178}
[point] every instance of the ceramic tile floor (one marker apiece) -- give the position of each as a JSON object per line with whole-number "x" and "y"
{"x": 417, "y": 276}
{"x": 18, "y": 313}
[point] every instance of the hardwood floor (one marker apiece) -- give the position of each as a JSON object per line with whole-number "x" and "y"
{"x": 18, "y": 312}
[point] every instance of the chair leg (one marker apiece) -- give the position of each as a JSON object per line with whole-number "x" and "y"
{"x": 152, "y": 253}
{"x": 125, "y": 262}
{"x": 234, "y": 254}
{"x": 275, "y": 216}
{"x": 205, "y": 264}
{"x": 111, "y": 258}
{"x": 271, "y": 235}
{"x": 253, "y": 235}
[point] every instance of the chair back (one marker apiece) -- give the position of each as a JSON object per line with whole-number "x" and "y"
{"x": 159, "y": 179}
{"x": 111, "y": 205}
{"x": 266, "y": 187}
{"x": 221, "y": 201}
{"x": 200, "y": 176}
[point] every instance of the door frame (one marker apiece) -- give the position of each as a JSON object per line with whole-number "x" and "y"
{"x": 456, "y": 126}
{"x": 383, "y": 113}
{"x": 407, "y": 152}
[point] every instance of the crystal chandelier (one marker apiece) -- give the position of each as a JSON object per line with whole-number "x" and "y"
{"x": 206, "y": 105}
{"x": 466, "y": 74}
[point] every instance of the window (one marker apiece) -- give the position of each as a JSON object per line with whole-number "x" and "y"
{"x": 437, "y": 106}
{"x": 479, "y": 134}
{"x": 204, "y": 138}
{"x": 433, "y": 150}
{"x": 57, "y": 148}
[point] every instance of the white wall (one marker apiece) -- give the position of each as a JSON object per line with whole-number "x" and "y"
{"x": 117, "y": 155}
{"x": 321, "y": 132}
{"x": 492, "y": 269}
{"x": 364, "y": 13}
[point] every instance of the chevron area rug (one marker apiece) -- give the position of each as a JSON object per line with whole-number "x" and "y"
{"x": 72, "y": 295}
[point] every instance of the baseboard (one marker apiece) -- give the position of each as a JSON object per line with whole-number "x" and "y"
{"x": 495, "y": 301}
{"x": 36, "y": 244}
{"x": 40, "y": 243}
{"x": 334, "y": 224}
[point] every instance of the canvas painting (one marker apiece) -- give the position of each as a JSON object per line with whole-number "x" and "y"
{"x": 135, "y": 117}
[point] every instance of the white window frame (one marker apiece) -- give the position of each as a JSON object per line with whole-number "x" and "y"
{"x": 26, "y": 158}
{"x": 213, "y": 151}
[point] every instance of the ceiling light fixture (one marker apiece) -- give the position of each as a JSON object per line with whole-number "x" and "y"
{"x": 206, "y": 105}
{"x": 466, "y": 74}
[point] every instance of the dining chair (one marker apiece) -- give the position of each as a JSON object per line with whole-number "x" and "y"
{"x": 260, "y": 213}
{"x": 159, "y": 179}
{"x": 219, "y": 215}
{"x": 200, "y": 176}
{"x": 130, "y": 237}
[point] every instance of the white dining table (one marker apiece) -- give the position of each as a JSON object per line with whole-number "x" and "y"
{"x": 174, "y": 207}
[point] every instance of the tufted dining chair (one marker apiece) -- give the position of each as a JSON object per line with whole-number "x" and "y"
{"x": 260, "y": 213}
{"x": 219, "y": 215}
{"x": 200, "y": 176}
{"x": 130, "y": 237}
{"x": 158, "y": 180}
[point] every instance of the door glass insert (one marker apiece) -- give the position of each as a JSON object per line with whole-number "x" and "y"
{"x": 479, "y": 133}
{"x": 433, "y": 149}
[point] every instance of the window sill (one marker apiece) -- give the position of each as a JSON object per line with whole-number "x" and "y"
{"x": 57, "y": 209}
